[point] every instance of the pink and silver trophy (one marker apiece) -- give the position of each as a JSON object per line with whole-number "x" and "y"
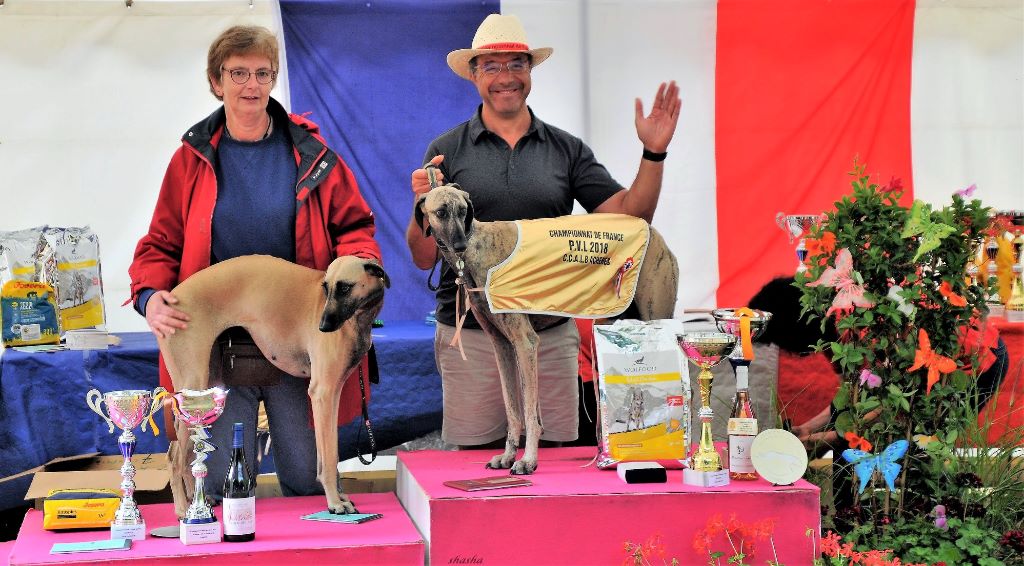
{"x": 797, "y": 226}
{"x": 199, "y": 410}
{"x": 128, "y": 409}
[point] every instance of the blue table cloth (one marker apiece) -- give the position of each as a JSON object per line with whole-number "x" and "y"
{"x": 43, "y": 413}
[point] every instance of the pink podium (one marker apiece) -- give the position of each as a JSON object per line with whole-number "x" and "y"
{"x": 281, "y": 538}
{"x": 577, "y": 514}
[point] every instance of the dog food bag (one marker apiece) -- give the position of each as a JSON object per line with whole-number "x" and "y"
{"x": 79, "y": 282}
{"x": 643, "y": 392}
{"x": 28, "y": 314}
{"x": 20, "y": 252}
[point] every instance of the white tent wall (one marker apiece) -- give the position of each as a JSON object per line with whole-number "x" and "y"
{"x": 94, "y": 97}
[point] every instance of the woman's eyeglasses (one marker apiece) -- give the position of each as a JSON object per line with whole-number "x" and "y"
{"x": 241, "y": 76}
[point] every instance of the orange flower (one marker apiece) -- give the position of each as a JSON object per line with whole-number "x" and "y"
{"x": 824, "y": 245}
{"x": 946, "y": 290}
{"x": 830, "y": 544}
{"x": 858, "y": 443}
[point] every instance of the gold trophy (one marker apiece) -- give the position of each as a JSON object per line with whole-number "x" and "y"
{"x": 1015, "y": 306}
{"x": 706, "y": 350}
{"x": 995, "y": 304}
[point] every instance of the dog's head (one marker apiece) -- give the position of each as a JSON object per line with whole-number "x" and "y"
{"x": 351, "y": 284}
{"x": 449, "y": 215}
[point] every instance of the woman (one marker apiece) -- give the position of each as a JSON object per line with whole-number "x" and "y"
{"x": 251, "y": 179}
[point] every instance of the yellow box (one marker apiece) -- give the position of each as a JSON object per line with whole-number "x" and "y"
{"x": 79, "y": 508}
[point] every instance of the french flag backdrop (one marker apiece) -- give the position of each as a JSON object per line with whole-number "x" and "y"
{"x": 779, "y": 97}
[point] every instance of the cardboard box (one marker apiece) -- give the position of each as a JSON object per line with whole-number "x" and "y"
{"x": 152, "y": 476}
{"x": 378, "y": 477}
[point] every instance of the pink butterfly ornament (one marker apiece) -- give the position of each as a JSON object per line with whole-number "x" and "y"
{"x": 939, "y": 512}
{"x": 967, "y": 191}
{"x": 869, "y": 380}
{"x": 849, "y": 291}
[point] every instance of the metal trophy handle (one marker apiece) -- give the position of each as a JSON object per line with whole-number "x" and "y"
{"x": 158, "y": 398}
{"x": 93, "y": 398}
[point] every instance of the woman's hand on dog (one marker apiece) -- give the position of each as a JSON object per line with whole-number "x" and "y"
{"x": 162, "y": 318}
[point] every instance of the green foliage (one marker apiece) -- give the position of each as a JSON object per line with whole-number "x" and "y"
{"x": 910, "y": 264}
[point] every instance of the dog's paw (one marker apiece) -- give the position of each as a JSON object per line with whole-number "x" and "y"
{"x": 500, "y": 462}
{"x": 343, "y": 507}
{"x": 524, "y": 467}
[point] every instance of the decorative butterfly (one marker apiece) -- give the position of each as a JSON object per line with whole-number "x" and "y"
{"x": 849, "y": 293}
{"x": 939, "y": 512}
{"x": 926, "y": 357}
{"x": 903, "y": 305}
{"x": 865, "y": 463}
{"x": 968, "y": 191}
{"x": 946, "y": 290}
{"x": 920, "y": 224}
{"x": 923, "y": 440}
{"x": 869, "y": 380}
{"x": 857, "y": 442}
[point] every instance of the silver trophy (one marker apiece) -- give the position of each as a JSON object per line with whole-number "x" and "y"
{"x": 128, "y": 409}
{"x": 796, "y": 226}
{"x": 198, "y": 410}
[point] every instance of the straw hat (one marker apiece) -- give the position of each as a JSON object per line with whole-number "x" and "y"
{"x": 497, "y": 34}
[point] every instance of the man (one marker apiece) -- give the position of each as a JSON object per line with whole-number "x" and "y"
{"x": 515, "y": 167}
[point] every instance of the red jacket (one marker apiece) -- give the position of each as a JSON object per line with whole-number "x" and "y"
{"x": 332, "y": 218}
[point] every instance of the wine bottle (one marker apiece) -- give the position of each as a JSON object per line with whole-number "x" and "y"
{"x": 742, "y": 429}
{"x": 239, "y": 495}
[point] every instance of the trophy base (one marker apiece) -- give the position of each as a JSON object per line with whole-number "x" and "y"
{"x": 705, "y": 479}
{"x": 1014, "y": 315}
{"x": 132, "y": 532}
{"x": 199, "y": 533}
{"x": 997, "y": 309}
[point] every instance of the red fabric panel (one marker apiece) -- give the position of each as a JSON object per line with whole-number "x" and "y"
{"x": 800, "y": 89}
{"x": 1004, "y": 413}
{"x": 807, "y": 385}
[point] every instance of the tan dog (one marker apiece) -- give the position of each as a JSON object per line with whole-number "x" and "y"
{"x": 482, "y": 245}
{"x": 306, "y": 322}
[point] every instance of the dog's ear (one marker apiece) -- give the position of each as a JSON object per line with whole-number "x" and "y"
{"x": 469, "y": 215}
{"x": 418, "y": 212}
{"x": 375, "y": 269}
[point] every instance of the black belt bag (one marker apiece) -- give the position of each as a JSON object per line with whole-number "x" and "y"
{"x": 236, "y": 360}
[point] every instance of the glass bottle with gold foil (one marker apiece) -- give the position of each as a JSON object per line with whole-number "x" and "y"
{"x": 742, "y": 427}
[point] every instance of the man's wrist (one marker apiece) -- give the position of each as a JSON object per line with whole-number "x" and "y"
{"x": 654, "y": 156}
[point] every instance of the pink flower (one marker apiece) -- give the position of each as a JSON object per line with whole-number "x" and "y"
{"x": 869, "y": 380}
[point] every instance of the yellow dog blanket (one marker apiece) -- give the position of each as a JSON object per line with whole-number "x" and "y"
{"x": 583, "y": 266}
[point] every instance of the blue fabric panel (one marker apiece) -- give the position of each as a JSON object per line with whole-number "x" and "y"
{"x": 43, "y": 413}
{"x": 374, "y": 76}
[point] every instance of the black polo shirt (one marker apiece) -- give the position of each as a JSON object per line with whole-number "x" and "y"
{"x": 539, "y": 178}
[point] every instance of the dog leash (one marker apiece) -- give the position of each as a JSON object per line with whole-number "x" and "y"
{"x": 366, "y": 423}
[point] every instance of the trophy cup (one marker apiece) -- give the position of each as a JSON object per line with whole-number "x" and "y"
{"x": 796, "y": 225}
{"x": 706, "y": 350}
{"x": 198, "y": 410}
{"x": 995, "y": 305}
{"x": 128, "y": 409}
{"x": 746, "y": 325}
{"x": 1015, "y": 306}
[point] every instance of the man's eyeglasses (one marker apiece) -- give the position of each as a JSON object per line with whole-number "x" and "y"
{"x": 515, "y": 67}
{"x": 241, "y": 76}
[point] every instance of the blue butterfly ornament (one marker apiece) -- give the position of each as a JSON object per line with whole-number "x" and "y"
{"x": 865, "y": 463}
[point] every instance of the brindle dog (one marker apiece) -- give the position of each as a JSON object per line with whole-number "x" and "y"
{"x": 482, "y": 245}
{"x": 306, "y": 322}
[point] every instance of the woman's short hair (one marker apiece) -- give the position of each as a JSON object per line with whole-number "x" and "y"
{"x": 240, "y": 40}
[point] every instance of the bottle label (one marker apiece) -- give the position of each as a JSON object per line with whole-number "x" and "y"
{"x": 739, "y": 454}
{"x": 745, "y": 427}
{"x": 239, "y": 515}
